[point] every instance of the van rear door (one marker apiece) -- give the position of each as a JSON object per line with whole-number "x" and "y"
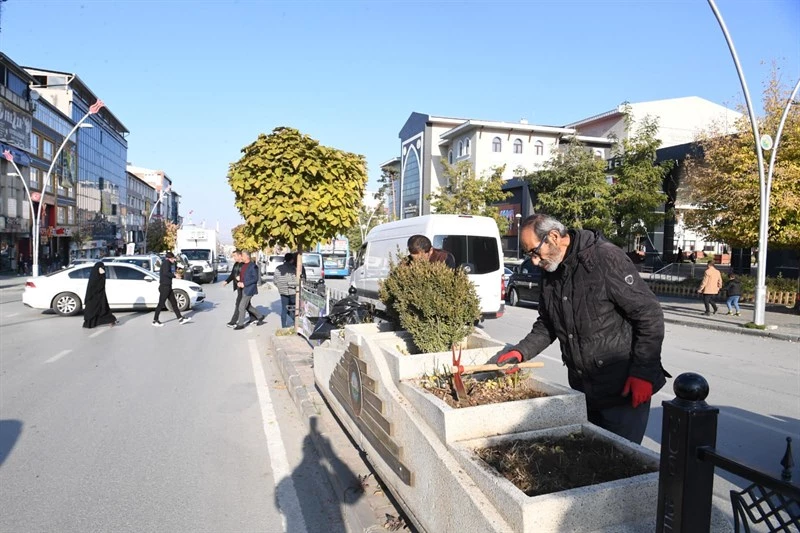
{"x": 479, "y": 256}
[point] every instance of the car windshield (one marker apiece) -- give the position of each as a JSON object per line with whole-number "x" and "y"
{"x": 197, "y": 255}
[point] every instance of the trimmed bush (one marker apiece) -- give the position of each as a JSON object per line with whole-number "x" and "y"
{"x": 436, "y": 305}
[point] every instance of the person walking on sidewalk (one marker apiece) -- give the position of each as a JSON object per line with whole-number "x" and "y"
{"x": 710, "y": 287}
{"x": 285, "y": 279}
{"x": 734, "y": 291}
{"x": 165, "y": 293}
{"x": 233, "y": 277}
{"x": 248, "y": 283}
{"x": 607, "y": 320}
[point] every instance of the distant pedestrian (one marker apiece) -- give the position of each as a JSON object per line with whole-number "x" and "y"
{"x": 165, "y": 293}
{"x": 680, "y": 255}
{"x": 710, "y": 287}
{"x": 734, "y": 291}
{"x": 420, "y": 248}
{"x": 693, "y": 257}
{"x": 248, "y": 282}
{"x": 285, "y": 279}
{"x": 96, "y": 311}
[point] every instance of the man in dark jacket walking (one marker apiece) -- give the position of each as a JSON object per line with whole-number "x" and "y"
{"x": 165, "y": 293}
{"x": 248, "y": 283}
{"x": 607, "y": 320}
{"x": 233, "y": 277}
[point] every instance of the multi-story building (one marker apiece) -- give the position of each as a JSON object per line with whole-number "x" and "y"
{"x": 166, "y": 202}
{"x": 426, "y": 141}
{"x": 141, "y": 196}
{"x": 102, "y": 150}
{"x": 16, "y": 125}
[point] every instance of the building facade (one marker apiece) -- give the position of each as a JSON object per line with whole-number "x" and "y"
{"x": 102, "y": 149}
{"x": 16, "y": 126}
{"x": 141, "y": 197}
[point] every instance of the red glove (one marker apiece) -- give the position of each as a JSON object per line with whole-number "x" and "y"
{"x": 507, "y": 357}
{"x": 641, "y": 388}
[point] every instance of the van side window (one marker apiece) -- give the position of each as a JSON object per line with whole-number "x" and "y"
{"x": 481, "y": 254}
{"x": 380, "y": 254}
{"x": 360, "y": 256}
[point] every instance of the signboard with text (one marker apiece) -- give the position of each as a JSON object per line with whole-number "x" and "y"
{"x": 15, "y": 126}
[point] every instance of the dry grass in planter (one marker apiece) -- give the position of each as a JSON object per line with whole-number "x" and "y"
{"x": 481, "y": 391}
{"x": 554, "y": 464}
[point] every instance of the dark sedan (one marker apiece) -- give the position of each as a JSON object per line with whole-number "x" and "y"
{"x": 525, "y": 285}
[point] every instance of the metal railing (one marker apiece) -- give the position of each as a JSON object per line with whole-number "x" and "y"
{"x": 686, "y": 476}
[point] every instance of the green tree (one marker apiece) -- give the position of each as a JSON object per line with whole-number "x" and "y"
{"x": 293, "y": 191}
{"x": 161, "y": 235}
{"x": 573, "y": 188}
{"x": 464, "y": 193}
{"x": 242, "y": 238}
{"x": 723, "y": 184}
{"x": 637, "y": 193}
{"x": 368, "y": 218}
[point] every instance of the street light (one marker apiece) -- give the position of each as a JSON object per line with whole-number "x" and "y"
{"x": 147, "y": 223}
{"x": 765, "y": 183}
{"x": 518, "y": 216}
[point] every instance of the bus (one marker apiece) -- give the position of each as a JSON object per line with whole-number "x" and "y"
{"x": 335, "y": 257}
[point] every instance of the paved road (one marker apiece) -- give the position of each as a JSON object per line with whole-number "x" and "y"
{"x": 755, "y": 381}
{"x": 133, "y": 428}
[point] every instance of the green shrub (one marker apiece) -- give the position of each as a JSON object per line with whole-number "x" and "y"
{"x": 436, "y": 305}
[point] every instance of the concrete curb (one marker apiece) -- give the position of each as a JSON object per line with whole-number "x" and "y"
{"x": 734, "y": 329}
{"x": 358, "y": 515}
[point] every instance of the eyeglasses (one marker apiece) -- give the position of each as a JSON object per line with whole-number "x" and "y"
{"x": 536, "y": 251}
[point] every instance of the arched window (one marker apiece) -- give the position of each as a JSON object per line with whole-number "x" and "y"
{"x": 450, "y": 157}
{"x": 466, "y": 145}
{"x": 539, "y": 146}
{"x": 411, "y": 186}
{"x": 518, "y": 146}
{"x": 497, "y": 145}
{"x": 460, "y": 148}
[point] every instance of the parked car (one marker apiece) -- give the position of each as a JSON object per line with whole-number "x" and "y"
{"x": 312, "y": 264}
{"x": 272, "y": 264}
{"x": 525, "y": 284}
{"x": 223, "y": 265}
{"x": 507, "y": 275}
{"x": 128, "y": 286}
{"x": 150, "y": 262}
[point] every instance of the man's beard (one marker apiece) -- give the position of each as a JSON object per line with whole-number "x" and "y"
{"x": 550, "y": 264}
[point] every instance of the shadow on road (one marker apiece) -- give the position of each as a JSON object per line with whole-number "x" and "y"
{"x": 303, "y": 481}
{"x": 10, "y": 430}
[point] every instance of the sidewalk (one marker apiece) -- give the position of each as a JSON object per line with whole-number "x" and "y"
{"x": 9, "y": 281}
{"x": 689, "y": 312}
{"x": 365, "y": 506}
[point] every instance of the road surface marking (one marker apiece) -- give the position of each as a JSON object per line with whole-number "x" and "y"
{"x": 58, "y": 356}
{"x": 288, "y": 502}
{"x": 98, "y": 332}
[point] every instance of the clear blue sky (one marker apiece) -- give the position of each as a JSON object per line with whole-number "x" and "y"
{"x": 194, "y": 81}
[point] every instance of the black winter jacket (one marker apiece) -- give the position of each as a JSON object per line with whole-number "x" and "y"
{"x": 607, "y": 320}
{"x": 237, "y": 267}
{"x": 165, "y": 274}
{"x": 734, "y": 288}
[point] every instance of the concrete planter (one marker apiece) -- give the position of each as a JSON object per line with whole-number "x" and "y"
{"x": 629, "y": 502}
{"x": 561, "y": 406}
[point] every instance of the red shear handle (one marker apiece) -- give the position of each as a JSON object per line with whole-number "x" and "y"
{"x": 507, "y": 358}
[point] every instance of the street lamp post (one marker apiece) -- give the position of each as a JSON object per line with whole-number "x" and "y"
{"x": 147, "y": 222}
{"x": 518, "y": 216}
{"x": 765, "y": 182}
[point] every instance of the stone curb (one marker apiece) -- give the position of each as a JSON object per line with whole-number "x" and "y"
{"x": 734, "y": 329}
{"x": 359, "y": 515}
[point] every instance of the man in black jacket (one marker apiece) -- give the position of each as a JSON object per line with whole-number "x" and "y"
{"x": 165, "y": 293}
{"x": 607, "y": 320}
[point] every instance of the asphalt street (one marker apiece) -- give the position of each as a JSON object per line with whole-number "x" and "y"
{"x": 186, "y": 428}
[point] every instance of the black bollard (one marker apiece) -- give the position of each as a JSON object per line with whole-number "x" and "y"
{"x": 686, "y": 484}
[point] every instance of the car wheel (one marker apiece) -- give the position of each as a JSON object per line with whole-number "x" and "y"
{"x": 513, "y": 297}
{"x": 183, "y": 300}
{"x": 67, "y": 304}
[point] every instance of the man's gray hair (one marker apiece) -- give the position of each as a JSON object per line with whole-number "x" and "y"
{"x": 245, "y": 252}
{"x": 542, "y": 225}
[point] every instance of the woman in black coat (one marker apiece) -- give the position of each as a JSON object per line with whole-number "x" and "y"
{"x": 95, "y": 305}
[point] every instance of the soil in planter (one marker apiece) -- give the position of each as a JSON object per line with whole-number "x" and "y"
{"x": 482, "y": 392}
{"x": 549, "y": 465}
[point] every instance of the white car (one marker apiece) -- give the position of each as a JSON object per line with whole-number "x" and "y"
{"x": 127, "y": 287}
{"x": 272, "y": 264}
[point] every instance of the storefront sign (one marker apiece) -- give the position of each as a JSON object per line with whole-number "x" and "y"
{"x": 21, "y": 159}
{"x": 15, "y": 126}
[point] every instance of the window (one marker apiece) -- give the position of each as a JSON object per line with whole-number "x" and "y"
{"x": 466, "y": 145}
{"x": 26, "y": 210}
{"x": 61, "y": 215}
{"x": 34, "y": 179}
{"x": 125, "y": 273}
{"x": 460, "y": 148}
{"x": 12, "y": 207}
{"x": 497, "y": 145}
{"x": 71, "y": 214}
{"x": 539, "y": 147}
{"x": 47, "y": 149}
{"x": 36, "y": 143}
{"x": 80, "y": 273}
{"x": 480, "y": 254}
{"x": 450, "y": 157}
{"x": 518, "y": 146}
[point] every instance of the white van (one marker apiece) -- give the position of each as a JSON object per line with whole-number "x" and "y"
{"x": 474, "y": 242}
